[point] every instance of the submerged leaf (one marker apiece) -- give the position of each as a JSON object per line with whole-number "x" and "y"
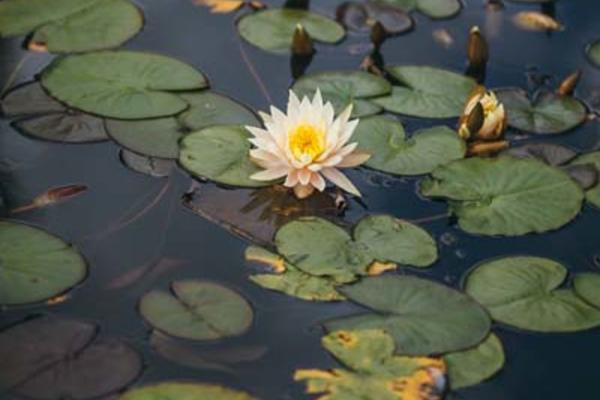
{"x": 591, "y": 159}
{"x": 362, "y": 17}
{"x": 524, "y": 292}
{"x": 593, "y": 52}
{"x": 184, "y": 391}
{"x": 155, "y": 167}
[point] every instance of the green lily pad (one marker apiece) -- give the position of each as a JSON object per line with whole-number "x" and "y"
{"x": 587, "y": 286}
{"x": 547, "y": 113}
{"x": 36, "y": 265}
{"x": 436, "y": 9}
{"x": 152, "y": 138}
{"x": 122, "y": 84}
{"x": 392, "y": 152}
{"x": 344, "y": 87}
{"x": 523, "y": 292}
{"x": 197, "y": 310}
{"x": 427, "y": 92}
{"x": 473, "y": 366}
{"x": 221, "y": 154}
{"x": 209, "y": 108}
{"x": 71, "y": 26}
{"x": 272, "y": 30}
{"x": 400, "y": 303}
{"x": 40, "y": 116}
{"x": 592, "y": 195}
{"x": 593, "y": 53}
{"x": 506, "y": 196}
{"x": 184, "y": 391}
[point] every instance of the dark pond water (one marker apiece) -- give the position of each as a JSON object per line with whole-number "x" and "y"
{"x": 553, "y": 366}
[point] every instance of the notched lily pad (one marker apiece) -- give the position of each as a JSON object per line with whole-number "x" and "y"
{"x": 398, "y": 303}
{"x": 475, "y": 365}
{"x": 36, "y": 265}
{"x": 592, "y": 195}
{"x": 392, "y": 152}
{"x": 197, "y": 310}
{"x": 505, "y": 196}
{"x": 40, "y": 116}
{"x": 546, "y": 113}
{"x": 427, "y": 92}
{"x": 524, "y": 292}
{"x": 342, "y": 88}
{"x": 184, "y": 391}
{"x": 272, "y": 30}
{"x": 220, "y": 154}
{"x": 71, "y": 26}
{"x": 50, "y": 358}
{"x": 122, "y": 84}
{"x": 361, "y": 17}
{"x": 587, "y": 286}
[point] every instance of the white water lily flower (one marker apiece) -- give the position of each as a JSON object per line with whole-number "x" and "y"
{"x": 306, "y": 146}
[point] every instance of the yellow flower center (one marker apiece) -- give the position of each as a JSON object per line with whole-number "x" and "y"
{"x": 307, "y": 142}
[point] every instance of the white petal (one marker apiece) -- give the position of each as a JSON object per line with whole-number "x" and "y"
{"x": 293, "y": 104}
{"x": 270, "y": 174}
{"x": 339, "y": 179}
{"x": 347, "y": 133}
{"x": 354, "y": 160}
{"x": 265, "y": 117}
{"x": 344, "y": 151}
{"x": 318, "y": 182}
{"x": 304, "y": 176}
{"x": 332, "y": 161}
{"x": 292, "y": 178}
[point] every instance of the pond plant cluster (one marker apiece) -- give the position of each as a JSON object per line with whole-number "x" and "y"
{"x": 416, "y": 338}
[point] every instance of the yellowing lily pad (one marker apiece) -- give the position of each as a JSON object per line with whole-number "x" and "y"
{"x": 122, "y": 84}
{"x": 197, "y": 310}
{"x": 71, "y": 26}
{"x": 587, "y": 286}
{"x": 593, "y": 194}
{"x": 184, "y": 391}
{"x": 272, "y": 30}
{"x": 424, "y": 317}
{"x": 342, "y": 88}
{"x": 391, "y": 151}
{"x": 221, "y": 154}
{"x": 547, "y": 113}
{"x": 472, "y": 366}
{"x": 35, "y": 265}
{"x": 524, "y": 292}
{"x": 506, "y": 196}
{"x": 427, "y": 92}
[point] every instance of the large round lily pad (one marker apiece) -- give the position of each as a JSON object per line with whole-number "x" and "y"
{"x": 221, "y": 154}
{"x": 547, "y": 113}
{"x": 152, "y": 138}
{"x": 593, "y": 52}
{"x": 50, "y": 358}
{"x": 424, "y": 317}
{"x": 210, "y": 108}
{"x": 273, "y": 30}
{"x": 435, "y": 9}
{"x": 427, "y": 92}
{"x": 197, "y": 310}
{"x": 506, "y": 196}
{"x": 35, "y": 265}
{"x": 592, "y": 195}
{"x": 344, "y": 87}
{"x": 524, "y": 292}
{"x": 472, "y": 366}
{"x": 184, "y": 391}
{"x": 587, "y": 286}
{"x": 70, "y": 26}
{"x": 391, "y": 151}
{"x": 122, "y": 84}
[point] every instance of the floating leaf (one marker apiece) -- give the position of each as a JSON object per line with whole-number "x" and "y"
{"x": 210, "y": 108}
{"x": 52, "y": 196}
{"x": 473, "y": 366}
{"x": 593, "y": 52}
{"x": 593, "y": 158}
{"x": 153, "y": 138}
{"x": 436, "y": 9}
{"x": 122, "y": 84}
{"x": 523, "y": 292}
{"x": 35, "y": 265}
{"x": 378, "y": 373}
{"x": 155, "y": 167}
{"x": 51, "y": 358}
{"x": 547, "y": 113}
{"x": 272, "y": 30}
{"x": 361, "y": 17}
{"x": 424, "y": 317}
{"x": 536, "y": 21}
{"x": 197, "y": 310}
{"x": 184, "y": 391}
{"x": 427, "y": 92}
{"x": 391, "y": 151}
{"x": 505, "y": 196}
{"x": 71, "y": 26}
{"x": 342, "y": 88}
{"x": 222, "y": 154}
{"x": 40, "y": 116}
{"x": 587, "y": 286}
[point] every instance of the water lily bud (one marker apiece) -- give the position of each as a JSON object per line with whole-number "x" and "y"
{"x": 302, "y": 43}
{"x": 484, "y": 117}
{"x": 378, "y": 34}
{"x": 569, "y": 84}
{"x": 477, "y": 48}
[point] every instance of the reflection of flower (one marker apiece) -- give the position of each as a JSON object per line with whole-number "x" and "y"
{"x": 484, "y": 117}
{"x": 306, "y": 146}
